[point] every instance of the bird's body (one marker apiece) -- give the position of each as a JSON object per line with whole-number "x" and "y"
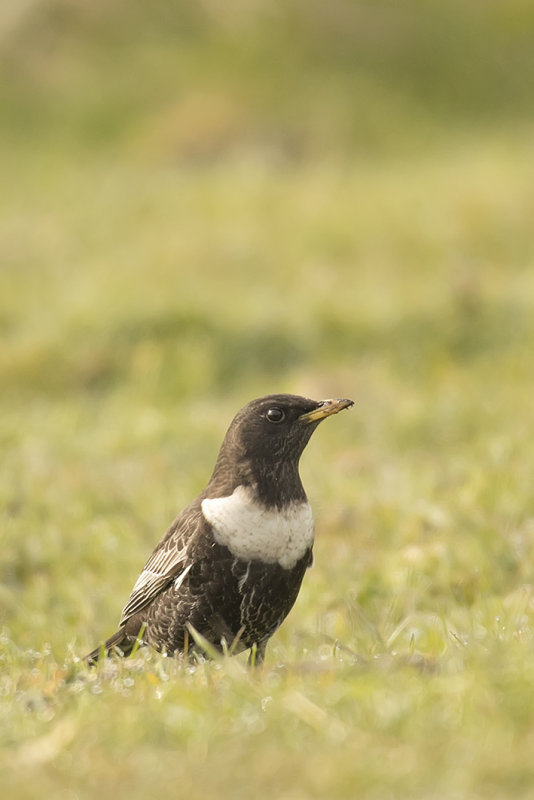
{"x": 230, "y": 566}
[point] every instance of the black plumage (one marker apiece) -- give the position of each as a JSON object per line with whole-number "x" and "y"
{"x": 230, "y": 566}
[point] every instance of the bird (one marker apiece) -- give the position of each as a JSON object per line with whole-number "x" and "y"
{"x": 229, "y": 568}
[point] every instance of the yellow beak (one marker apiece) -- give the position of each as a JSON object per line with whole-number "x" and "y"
{"x": 326, "y": 409}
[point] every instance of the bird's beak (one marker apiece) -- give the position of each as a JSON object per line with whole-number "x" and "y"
{"x": 325, "y": 409}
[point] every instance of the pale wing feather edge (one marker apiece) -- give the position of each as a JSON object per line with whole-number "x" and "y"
{"x": 164, "y": 565}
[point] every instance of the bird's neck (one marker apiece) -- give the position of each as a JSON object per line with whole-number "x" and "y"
{"x": 277, "y": 484}
{"x": 270, "y": 483}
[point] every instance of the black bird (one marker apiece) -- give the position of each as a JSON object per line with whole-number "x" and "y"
{"x": 230, "y": 566}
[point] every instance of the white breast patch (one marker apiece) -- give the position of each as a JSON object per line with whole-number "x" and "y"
{"x": 252, "y": 532}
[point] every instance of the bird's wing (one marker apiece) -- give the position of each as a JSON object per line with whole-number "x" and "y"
{"x": 169, "y": 561}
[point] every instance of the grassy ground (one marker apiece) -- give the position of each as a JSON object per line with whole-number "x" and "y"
{"x": 148, "y": 289}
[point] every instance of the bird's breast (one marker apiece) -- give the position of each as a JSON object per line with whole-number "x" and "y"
{"x": 253, "y": 532}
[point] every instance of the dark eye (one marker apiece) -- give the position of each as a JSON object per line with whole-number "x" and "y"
{"x": 275, "y": 415}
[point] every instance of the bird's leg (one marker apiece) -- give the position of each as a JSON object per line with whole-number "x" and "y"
{"x": 257, "y": 654}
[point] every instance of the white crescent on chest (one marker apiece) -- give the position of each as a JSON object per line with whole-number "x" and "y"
{"x": 254, "y": 533}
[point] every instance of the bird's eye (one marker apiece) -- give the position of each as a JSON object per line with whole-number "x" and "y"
{"x": 275, "y": 415}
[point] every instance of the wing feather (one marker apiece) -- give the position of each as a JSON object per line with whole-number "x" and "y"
{"x": 169, "y": 561}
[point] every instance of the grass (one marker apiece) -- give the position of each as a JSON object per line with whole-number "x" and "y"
{"x": 143, "y": 299}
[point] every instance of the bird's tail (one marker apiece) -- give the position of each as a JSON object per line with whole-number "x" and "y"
{"x": 120, "y": 640}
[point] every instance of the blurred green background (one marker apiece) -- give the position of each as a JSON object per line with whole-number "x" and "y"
{"x": 203, "y": 202}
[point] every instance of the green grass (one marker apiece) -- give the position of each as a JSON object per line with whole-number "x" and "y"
{"x": 149, "y": 289}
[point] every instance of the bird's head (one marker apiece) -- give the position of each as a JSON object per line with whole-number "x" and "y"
{"x": 265, "y": 440}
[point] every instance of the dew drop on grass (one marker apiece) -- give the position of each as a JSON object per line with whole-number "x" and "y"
{"x": 265, "y": 702}
{"x": 47, "y": 714}
{"x": 325, "y": 652}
